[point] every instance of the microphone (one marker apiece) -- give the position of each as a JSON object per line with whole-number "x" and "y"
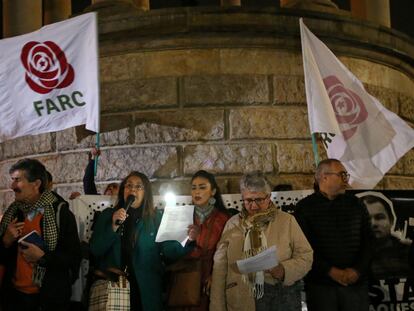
{"x": 130, "y": 199}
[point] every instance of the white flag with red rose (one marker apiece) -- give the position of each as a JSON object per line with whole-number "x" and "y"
{"x": 49, "y": 79}
{"x": 356, "y": 129}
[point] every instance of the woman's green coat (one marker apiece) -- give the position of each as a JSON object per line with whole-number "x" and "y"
{"x": 105, "y": 245}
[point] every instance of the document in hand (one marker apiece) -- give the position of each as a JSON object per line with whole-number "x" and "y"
{"x": 174, "y": 223}
{"x": 262, "y": 261}
{"x": 34, "y": 238}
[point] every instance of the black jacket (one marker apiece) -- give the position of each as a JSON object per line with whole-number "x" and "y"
{"x": 89, "y": 186}
{"x": 339, "y": 232}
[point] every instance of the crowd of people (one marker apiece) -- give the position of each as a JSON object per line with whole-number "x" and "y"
{"x": 325, "y": 248}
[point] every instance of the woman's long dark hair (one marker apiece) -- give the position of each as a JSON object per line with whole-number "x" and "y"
{"x": 148, "y": 212}
{"x": 212, "y": 180}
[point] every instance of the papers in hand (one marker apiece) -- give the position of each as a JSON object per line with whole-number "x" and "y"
{"x": 262, "y": 261}
{"x": 34, "y": 238}
{"x": 174, "y": 223}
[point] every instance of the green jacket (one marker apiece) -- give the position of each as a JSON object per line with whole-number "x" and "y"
{"x": 105, "y": 245}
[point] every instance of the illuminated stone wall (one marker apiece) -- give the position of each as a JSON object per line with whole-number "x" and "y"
{"x": 217, "y": 89}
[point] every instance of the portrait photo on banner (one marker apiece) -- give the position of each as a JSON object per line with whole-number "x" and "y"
{"x": 391, "y": 275}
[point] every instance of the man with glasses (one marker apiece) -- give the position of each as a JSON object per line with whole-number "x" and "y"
{"x": 338, "y": 229}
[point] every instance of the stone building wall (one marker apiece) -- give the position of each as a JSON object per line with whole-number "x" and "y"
{"x": 217, "y": 89}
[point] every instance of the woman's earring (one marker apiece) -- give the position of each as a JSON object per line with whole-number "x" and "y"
{"x": 212, "y": 201}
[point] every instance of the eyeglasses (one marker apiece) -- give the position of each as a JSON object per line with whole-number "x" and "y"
{"x": 343, "y": 175}
{"x": 134, "y": 187}
{"x": 258, "y": 201}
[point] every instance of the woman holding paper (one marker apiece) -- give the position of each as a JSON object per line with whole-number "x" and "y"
{"x": 124, "y": 238}
{"x": 210, "y": 216}
{"x": 258, "y": 227}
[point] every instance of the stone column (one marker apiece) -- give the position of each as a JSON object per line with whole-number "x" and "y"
{"x": 56, "y": 10}
{"x": 21, "y": 16}
{"x": 313, "y": 5}
{"x": 230, "y": 2}
{"x": 377, "y": 11}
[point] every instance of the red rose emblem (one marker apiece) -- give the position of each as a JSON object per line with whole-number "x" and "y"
{"x": 46, "y": 67}
{"x": 348, "y": 106}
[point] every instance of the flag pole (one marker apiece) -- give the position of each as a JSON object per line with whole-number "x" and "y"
{"x": 97, "y": 144}
{"x": 315, "y": 149}
{"x": 97, "y": 156}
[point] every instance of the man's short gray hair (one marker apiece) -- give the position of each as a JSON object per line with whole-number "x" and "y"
{"x": 323, "y": 167}
{"x": 256, "y": 182}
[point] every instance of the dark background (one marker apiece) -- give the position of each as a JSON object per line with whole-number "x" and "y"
{"x": 402, "y": 11}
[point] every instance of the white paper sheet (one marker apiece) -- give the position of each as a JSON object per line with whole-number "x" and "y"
{"x": 262, "y": 261}
{"x": 174, "y": 223}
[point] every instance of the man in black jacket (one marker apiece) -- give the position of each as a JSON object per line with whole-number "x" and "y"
{"x": 337, "y": 226}
{"x": 37, "y": 277}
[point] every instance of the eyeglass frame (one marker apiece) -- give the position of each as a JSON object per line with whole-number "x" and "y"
{"x": 258, "y": 201}
{"x": 343, "y": 174}
{"x": 138, "y": 187}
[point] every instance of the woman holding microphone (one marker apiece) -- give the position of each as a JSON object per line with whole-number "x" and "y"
{"x": 124, "y": 238}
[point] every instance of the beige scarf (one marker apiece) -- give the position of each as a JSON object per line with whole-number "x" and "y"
{"x": 254, "y": 243}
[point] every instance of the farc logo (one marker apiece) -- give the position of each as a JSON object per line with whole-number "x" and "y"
{"x": 46, "y": 67}
{"x": 349, "y": 108}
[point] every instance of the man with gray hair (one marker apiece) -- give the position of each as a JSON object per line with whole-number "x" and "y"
{"x": 38, "y": 274}
{"x": 337, "y": 226}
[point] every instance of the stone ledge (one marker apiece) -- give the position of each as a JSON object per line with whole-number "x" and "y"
{"x": 179, "y": 126}
{"x": 406, "y": 107}
{"x": 71, "y": 138}
{"x": 385, "y": 96}
{"x": 295, "y": 158}
{"x": 298, "y": 181}
{"x": 138, "y": 94}
{"x": 398, "y": 168}
{"x": 289, "y": 89}
{"x": 27, "y": 145}
{"x": 408, "y": 160}
{"x": 182, "y": 186}
{"x": 115, "y": 164}
{"x": 398, "y": 183}
{"x": 345, "y": 35}
{"x": 228, "y": 159}
{"x": 225, "y": 89}
{"x": 271, "y": 123}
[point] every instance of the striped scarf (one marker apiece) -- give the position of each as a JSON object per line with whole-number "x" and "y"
{"x": 50, "y": 230}
{"x": 255, "y": 242}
